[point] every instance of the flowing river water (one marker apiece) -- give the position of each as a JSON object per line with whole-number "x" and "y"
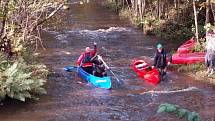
{"x": 70, "y": 98}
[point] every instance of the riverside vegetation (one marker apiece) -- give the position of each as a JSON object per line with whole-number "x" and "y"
{"x": 173, "y": 20}
{"x": 20, "y": 25}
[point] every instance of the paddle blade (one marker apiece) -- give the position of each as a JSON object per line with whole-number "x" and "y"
{"x": 70, "y": 68}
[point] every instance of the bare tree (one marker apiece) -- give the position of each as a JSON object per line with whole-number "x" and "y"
{"x": 20, "y": 20}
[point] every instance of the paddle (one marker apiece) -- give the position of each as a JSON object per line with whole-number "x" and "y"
{"x": 100, "y": 58}
{"x": 70, "y": 68}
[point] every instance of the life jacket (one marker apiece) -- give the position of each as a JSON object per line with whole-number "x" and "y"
{"x": 86, "y": 62}
{"x": 85, "y": 58}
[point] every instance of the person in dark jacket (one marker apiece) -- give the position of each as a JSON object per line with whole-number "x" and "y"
{"x": 86, "y": 58}
{"x": 99, "y": 68}
{"x": 160, "y": 60}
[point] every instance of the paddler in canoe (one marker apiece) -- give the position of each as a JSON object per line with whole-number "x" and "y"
{"x": 90, "y": 63}
{"x": 85, "y": 59}
{"x": 160, "y": 60}
{"x": 99, "y": 68}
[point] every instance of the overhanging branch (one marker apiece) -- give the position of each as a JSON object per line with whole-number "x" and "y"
{"x": 48, "y": 17}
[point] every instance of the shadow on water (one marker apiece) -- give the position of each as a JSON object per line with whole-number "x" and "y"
{"x": 70, "y": 98}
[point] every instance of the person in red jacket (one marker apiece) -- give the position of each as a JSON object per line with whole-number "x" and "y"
{"x": 86, "y": 58}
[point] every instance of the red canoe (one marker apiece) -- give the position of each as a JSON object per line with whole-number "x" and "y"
{"x": 187, "y": 47}
{"x": 145, "y": 71}
{"x": 188, "y": 58}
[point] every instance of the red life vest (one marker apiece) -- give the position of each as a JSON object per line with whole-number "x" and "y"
{"x": 85, "y": 58}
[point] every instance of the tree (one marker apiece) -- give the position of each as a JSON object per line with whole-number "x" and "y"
{"x": 21, "y": 20}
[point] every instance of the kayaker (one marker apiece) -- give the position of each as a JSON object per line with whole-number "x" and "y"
{"x": 160, "y": 60}
{"x": 99, "y": 68}
{"x": 85, "y": 59}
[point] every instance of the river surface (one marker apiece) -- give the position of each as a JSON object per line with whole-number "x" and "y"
{"x": 70, "y": 98}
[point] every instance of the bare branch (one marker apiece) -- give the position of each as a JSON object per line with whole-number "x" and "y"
{"x": 50, "y": 15}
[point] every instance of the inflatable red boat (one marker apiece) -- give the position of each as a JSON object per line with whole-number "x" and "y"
{"x": 187, "y": 47}
{"x": 188, "y": 58}
{"x": 145, "y": 71}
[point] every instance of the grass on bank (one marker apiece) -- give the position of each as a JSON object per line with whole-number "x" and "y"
{"x": 198, "y": 71}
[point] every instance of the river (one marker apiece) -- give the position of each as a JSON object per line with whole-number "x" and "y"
{"x": 70, "y": 98}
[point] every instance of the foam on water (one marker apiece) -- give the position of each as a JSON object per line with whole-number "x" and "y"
{"x": 62, "y": 37}
{"x": 100, "y": 33}
{"x": 171, "y": 91}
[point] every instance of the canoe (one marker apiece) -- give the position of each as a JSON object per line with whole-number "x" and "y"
{"x": 100, "y": 82}
{"x": 187, "y": 47}
{"x": 145, "y": 71}
{"x": 188, "y": 58}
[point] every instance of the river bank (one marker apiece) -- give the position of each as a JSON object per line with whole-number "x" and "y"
{"x": 196, "y": 71}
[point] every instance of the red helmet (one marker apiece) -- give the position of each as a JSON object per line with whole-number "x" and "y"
{"x": 87, "y": 49}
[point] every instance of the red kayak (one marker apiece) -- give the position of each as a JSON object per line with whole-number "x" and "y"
{"x": 145, "y": 71}
{"x": 188, "y": 58}
{"x": 187, "y": 47}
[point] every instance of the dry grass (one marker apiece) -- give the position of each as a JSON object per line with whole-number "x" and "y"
{"x": 202, "y": 76}
{"x": 197, "y": 71}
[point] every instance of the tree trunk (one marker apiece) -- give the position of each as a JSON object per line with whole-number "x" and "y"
{"x": 129, "y": 3}
{"x": 140, "y": 10}
{"x": 196, "y": 22}
{"x": 5, "y": 11}
{"x": 123, "y": 3}
{"x": 116, "y": 4}
{"x": 167, "y": 9}
{"x": 209, "y": 14}
{"x": 143, "y": 12}
{"x": 158, "y": 9}
{"x": 136, "y": 8}
{"x": 177, "y": 8}
{"x": 212, "y": 9}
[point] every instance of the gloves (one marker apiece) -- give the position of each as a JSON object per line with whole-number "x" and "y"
{"x": 94, "y": 43}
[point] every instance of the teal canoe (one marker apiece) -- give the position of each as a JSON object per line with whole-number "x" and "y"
{"x": 101, "y": 82}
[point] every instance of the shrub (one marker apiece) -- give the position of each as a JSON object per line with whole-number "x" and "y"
{"x": 20, "y": 81}
{"x": 180, "y": 112}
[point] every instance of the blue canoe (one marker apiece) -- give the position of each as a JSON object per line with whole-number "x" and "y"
{"x": 100, "y": 82}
